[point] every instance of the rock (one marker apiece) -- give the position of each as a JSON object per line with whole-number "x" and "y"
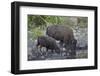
{"x": 81, "y": 37}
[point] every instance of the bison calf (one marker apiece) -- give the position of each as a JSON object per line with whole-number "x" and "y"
{"x": 48, "y": 43}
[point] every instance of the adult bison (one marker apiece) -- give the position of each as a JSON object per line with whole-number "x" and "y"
{"x": 65, "y": 35}
{"x": 48, "y": 43}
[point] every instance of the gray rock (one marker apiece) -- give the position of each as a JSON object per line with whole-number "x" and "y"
{"x": 81, "y": 37}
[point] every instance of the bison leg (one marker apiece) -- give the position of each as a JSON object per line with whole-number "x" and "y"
{"x": 41, "y": 50}
{"x": 46, "y": 52}
{"x": 73, "y": 54}
{"x": 74, "y": 42}
{"x": 69, "y": 49}
{"x": 61, "y": 43}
